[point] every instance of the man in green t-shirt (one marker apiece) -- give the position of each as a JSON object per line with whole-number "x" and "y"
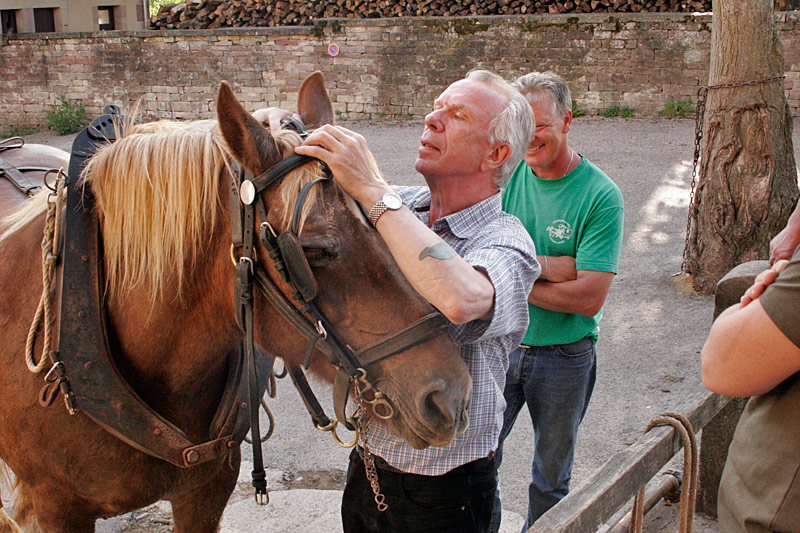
{"x": 574, "y": 213}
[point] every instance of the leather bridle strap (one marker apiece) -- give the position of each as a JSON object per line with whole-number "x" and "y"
{"x": 415, "y": 333}
{"x": 303, "y": 314}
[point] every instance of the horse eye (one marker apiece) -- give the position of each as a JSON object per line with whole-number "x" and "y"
{"x": 320, "y": 256}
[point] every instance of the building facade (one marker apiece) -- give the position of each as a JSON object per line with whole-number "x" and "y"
{"x": 42, "y": 16}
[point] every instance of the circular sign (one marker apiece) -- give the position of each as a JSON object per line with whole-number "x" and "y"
{"x": 333, "y": 49}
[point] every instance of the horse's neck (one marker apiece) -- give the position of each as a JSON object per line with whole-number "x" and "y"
{"x": 176, "y": 348}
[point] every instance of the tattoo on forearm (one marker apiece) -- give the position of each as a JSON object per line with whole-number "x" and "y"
{"x": 440, "y": 250}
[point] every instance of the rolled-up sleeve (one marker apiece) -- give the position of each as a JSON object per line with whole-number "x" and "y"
{"x": 510, "y": 262}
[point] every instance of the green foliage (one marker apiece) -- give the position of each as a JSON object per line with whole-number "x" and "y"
{"x": 576, "y": 111}
{"x": 13, "y": 130}
{"x": 155, "y": 5}
{"x": 66, "y": 117}
{"x": 682, "y": 108}
{"x": 611, "y": 111}
{"x": 617, "y": 111}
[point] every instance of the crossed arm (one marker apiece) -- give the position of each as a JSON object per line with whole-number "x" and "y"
{"x": 746, "y": 353}
{"x": 568, "y": 290}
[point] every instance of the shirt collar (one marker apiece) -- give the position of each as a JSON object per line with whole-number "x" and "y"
{"x": 467, "y": 222}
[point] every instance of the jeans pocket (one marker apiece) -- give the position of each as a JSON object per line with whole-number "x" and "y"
{"x": 581, "y": 348}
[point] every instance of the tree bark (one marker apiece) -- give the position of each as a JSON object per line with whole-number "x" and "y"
{"x": 747, "y": 178}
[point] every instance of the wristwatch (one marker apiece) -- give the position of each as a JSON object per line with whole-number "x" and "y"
{"x": 390, "y": 200}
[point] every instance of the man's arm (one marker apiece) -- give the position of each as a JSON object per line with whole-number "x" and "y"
{"x": 746, "y": 353}
{"x": 782, "y": 246}
{"x": 434, "y": 269}
{"x": 583, "y": 295}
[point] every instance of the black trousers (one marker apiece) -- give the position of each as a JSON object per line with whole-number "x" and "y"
{"x": 459, "y": 501}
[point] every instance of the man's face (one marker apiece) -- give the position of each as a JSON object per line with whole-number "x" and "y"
{"x": 550, "y": 138}
{"x": 455, "y": 140}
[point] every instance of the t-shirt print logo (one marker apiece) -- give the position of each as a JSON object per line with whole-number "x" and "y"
{"x": 560, "y": 231}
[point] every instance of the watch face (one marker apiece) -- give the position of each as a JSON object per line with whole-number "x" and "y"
{"x": 392, "y": 201}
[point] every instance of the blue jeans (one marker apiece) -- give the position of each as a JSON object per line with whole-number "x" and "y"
{"x": 557, "y": 383}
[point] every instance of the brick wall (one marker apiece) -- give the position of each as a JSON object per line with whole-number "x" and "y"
{"x": 386, "y": 68}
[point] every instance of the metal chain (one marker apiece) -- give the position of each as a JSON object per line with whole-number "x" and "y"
{"x": 363, "y": 421}
{"x": 700, "y": 111}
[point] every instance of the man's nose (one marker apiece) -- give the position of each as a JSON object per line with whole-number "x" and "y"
{"x": 433, "y": 120}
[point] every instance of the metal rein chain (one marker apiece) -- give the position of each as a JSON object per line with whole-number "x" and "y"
{"x": 700, "y": 111}
{"x": 362, "y": 422}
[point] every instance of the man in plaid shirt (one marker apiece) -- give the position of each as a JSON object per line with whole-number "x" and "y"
{"x": 474, "y": 263}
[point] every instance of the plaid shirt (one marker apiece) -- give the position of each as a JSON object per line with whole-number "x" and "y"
{"x": 496, "y": 243}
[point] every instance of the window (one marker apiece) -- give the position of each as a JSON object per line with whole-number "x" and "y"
{"x": 8, "y": 21}
{"x": 44, "y": 19}
{"x": 105, "y": 17}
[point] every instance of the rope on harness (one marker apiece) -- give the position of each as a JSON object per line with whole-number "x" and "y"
{"x": 51, "y": 246}
{"x": 690, "y": 464}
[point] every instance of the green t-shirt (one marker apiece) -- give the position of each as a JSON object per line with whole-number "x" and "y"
{"x": 580, "y": 215}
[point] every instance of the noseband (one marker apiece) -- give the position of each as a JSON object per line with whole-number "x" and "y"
{"x": 300, "y": 309}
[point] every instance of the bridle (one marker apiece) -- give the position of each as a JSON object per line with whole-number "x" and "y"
{"x": 300, "y": 309}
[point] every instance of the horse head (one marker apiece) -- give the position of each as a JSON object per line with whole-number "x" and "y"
{"x": 355, "y": 284}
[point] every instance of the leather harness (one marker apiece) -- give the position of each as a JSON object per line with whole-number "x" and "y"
{"x": 14, "y": 174}
{"x": 87, "y": 376}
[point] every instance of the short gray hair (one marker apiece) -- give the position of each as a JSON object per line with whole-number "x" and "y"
{"x": 514, "y": 125}
{"x": 550, "y": 83}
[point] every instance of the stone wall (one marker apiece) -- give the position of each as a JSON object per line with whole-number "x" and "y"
{"x": 385, "y": 68}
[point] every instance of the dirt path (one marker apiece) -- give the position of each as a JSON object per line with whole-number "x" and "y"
{"x": 652, "y": 330}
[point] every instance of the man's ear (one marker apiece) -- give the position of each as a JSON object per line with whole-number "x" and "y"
{"x": 567, "y": 121}
{"x": 498, "y": 155}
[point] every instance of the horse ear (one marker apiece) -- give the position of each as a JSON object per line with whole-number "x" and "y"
{"x": 251, "y": 144}
{"x": 313, "y": 102}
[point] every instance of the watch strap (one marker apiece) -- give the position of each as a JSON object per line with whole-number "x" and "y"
{"x": 376, "y": 212}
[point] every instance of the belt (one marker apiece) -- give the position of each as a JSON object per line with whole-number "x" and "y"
{"x": 528, "y": 346}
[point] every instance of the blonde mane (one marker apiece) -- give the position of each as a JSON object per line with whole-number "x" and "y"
{"x": 157, "y": 199}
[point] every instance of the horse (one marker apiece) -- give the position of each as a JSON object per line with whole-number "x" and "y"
{"x": 163, "y": 201}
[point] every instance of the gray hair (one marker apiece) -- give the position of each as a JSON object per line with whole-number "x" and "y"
{"x": 514, "y": 125}
{"x": 550, "y": 83}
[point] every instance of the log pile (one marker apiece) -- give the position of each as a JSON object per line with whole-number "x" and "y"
{"x": 200, "y": 14}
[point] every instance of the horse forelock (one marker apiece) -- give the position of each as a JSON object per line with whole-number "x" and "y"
{"x": 157, "y": 196}
{"x": 290, "y": 186}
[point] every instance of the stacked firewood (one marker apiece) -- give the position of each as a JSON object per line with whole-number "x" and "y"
{"x": 198, "y": 14}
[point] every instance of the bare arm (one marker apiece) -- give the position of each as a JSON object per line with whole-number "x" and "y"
{"x": 746, "y": 353}
{"x": 782, "y": 246}
{"x": 434, "y": 269}
{"x": 583, "y": 295}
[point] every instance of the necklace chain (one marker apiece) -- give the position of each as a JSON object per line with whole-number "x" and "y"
{"x": 569, "y": 163}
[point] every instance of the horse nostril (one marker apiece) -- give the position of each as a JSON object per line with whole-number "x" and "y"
{"x": 445, "y": 407}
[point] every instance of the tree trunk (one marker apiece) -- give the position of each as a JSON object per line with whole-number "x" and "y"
{"x": 747, "y": 179}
